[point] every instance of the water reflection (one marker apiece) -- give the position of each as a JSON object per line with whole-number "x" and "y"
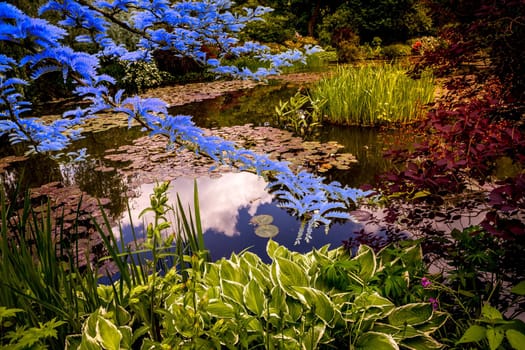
{"x": 255, "y": 106}
{"x": 227, "y": 204}
{"x": 221, "y": 200}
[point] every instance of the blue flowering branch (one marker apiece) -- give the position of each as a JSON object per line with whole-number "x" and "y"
{"x": 186, "y": 29}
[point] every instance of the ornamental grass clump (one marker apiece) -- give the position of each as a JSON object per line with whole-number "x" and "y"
{"x": 374, "y": 95}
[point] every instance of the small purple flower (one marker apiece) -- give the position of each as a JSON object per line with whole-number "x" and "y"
{"x": 434, "y": 302}
{"x": 425, "y": 282}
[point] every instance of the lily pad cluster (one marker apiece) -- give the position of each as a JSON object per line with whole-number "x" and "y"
{"x": 148, "y": 160}
{"x": 282, "y": 145}
{"x": 71, "y": 213}
{"x": 264, "y": 227}
{"x": 6, "y": 162}
{"x": 178, "y": 95}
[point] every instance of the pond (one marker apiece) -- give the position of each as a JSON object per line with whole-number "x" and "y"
{"x": 124, "y": 165}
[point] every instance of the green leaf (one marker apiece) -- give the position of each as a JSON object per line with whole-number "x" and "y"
{"x": 516, "y": 339}
{"x": 295, "y": 310}
{"x": 371, "y": 306}
{"x": 398, "y": 333}
{"x": 274, "y": 250}
{"x": 232, "y": 291}
{"x": 88, "y": 343}
{"x": 474, "y": 333}
{"x": 127, "y": 337}
{"x": 278, "y": 306}
{"x": 232, "y": 272}
{"x": 288, "y": 274}
{"x": 519, "y": 288}
{"x": 422, "y": 342}
{"x": 437, "y": 321}
{"x": 6, "y": 313}
{"x": 122, "y": 315}
{"x": 495, "y": 337}
{"x": 220, "y": 309}
{"x": 490, "y": 313}
{"x": 108, "y": 334}
{"x": 411, "y": 314}
{"x": 90, "y": 326}
{"x": 367, "y": 262}
{"x": 254, "y": 298}
{"x": 376, "y": 341}
{"x": 318, "y": 302}
{"x": 313, "y": 336}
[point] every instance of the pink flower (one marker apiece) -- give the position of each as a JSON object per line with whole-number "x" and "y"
{"x": 425, "y": 282}
{"x": 434, "y": 302}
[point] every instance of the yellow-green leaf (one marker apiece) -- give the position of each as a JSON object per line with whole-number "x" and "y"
{"x": 422, "y": 342}
{"x": 490, "y": 313}
{"x": 412, "y": 314}
{"x": 220, "y": 309}
{"x": 289, "y": 274}
{"x": 318, "y": 302}
{"x": 108, "y": 334}
{"x": 495, "y": 337}
{"x": 233, "y": 291}
{"x": 519, "y": 288}
{"x": 376, "y": 341}
{"x": 516, "y": 339}
{"x": 254, "y": 298}
{"x": 474, "y": 333}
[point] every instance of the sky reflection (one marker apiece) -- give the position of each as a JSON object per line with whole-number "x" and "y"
{"x": 227, "y": 203}
{"x": 221, "y": 199}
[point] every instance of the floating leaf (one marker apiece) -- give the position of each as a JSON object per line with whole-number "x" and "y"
{"x": 267, "y": 231}
{"x": 261, "y": 219}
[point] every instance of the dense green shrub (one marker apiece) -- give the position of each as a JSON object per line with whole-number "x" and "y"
{"x": 348, "y": 51}
{"x": 397, "y": 51}
{"x": 139, "y": 76}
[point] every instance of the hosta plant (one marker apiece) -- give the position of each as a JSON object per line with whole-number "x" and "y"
{"x": 322, "y": 299}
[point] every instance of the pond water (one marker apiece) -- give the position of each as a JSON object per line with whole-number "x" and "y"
{"x": 227, "y": 205}
{"x": 228, "y": 201}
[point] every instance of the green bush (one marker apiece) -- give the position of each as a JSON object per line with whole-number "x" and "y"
{"x": 397, "y": 51}
{"x": 348, "y": 51}
{"x": 140, "y": 75}
{"x": 323, "y": 299}
{"x": 374, "y": 95}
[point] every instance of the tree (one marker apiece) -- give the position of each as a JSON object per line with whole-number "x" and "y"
{"x": 74, "y": 47}
{"x": 494, "y": 29}
{"x": 392, "y": 21}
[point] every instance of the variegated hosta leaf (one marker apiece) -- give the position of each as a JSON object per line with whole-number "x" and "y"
{"x": 412, "y": 314}
{"x": 376, "y": 341}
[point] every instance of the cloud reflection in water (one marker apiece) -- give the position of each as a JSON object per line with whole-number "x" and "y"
{"x": 220, "y": 200}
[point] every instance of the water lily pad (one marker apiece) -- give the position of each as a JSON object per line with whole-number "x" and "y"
{"x": 261, "y": 219}
{"x": 267, "y": 231}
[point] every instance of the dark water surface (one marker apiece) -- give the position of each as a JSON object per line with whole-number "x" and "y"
{"x": 227, "y": 202}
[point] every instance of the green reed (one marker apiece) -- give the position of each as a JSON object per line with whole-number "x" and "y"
{"x": 374, "y": 95}
{"x": 45, "y": 294}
